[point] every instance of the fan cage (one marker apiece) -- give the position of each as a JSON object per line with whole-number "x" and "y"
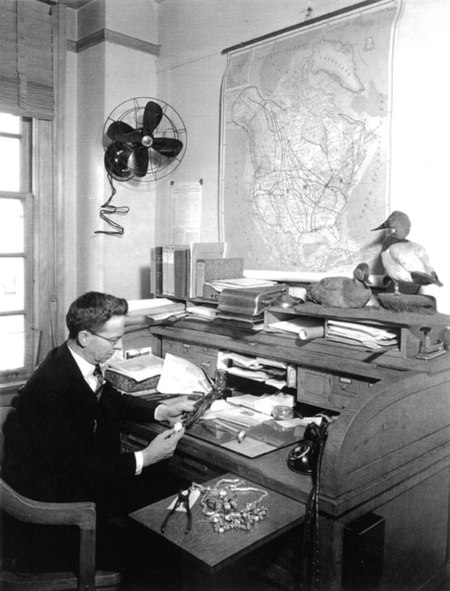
{"x": 171, "y": 125}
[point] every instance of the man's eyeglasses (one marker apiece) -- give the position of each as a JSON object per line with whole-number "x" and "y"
{"x": 112, "y": 341}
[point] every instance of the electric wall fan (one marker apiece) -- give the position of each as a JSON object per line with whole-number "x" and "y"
{"x": 144, "y": 140}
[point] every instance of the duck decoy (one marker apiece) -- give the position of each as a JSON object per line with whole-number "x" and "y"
{"x": 403, "y": 260}
{"x": 342, "y": 292}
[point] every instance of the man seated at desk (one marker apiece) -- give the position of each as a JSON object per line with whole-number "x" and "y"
{"x": 64, "y": 443}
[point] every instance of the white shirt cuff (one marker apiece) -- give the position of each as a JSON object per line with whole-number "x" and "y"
{"x": 157, "y": 418}
{"x": 139, "y": 462}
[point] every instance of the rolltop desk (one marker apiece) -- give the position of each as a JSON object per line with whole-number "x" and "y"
{"x": 384, "y": 486}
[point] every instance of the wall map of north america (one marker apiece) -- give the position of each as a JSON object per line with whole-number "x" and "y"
{"x": 305, "y": 145}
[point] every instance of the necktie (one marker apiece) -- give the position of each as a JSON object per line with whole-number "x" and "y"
{"x": 98, "y": 375}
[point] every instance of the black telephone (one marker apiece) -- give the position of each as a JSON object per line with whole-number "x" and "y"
{"x": 304, "y": 456}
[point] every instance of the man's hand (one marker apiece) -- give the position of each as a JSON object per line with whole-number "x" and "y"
{"x": 173, "y": 412}
{"x": 162, "y": 446}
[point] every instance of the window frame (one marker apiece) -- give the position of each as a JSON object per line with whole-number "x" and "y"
{"x": 13, "y": 377}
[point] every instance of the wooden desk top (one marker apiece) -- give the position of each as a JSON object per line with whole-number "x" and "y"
{"x": 216, "y": 550}
{"x": 270, "y": 470}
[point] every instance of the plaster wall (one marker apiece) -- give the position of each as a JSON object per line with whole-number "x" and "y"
{"x": 99, "y": 77}
{"x": 193, "y": 34}
{"x": 188, "y": 75}
{"x": 127, "y": 258}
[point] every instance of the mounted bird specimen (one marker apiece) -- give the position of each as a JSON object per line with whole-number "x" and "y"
{"x": 342, "y": 292}
{"x": 403, "y": 260}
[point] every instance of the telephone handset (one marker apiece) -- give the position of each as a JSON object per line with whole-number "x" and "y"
{"x": 304, "y": 456}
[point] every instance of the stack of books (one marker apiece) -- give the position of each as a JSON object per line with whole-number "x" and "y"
{"x": 242, "y": 302}
{"x": 182, "y": 270}
{"x": 173, "y": 267}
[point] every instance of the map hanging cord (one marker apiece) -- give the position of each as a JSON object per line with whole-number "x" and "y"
{"x": 106, "y": 209}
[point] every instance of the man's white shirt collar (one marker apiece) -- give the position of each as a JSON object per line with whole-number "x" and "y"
{"x": 86, "y": 368}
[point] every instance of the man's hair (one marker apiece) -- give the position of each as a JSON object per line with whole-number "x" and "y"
{"x": 91, "y": 310}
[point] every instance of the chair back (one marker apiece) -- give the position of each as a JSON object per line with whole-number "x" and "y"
{"x": 80, "y": 514}
{"x": 6, "y": 414}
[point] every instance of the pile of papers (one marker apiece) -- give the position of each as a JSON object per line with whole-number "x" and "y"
{"x": 181, "y": 376}
{"x": 366, "y": 335}
{"x": 269, "y": 371}
{"x": 221, "y": 410}
{"x": 202, "y": 312}
{"x": 240, "y": 283}
{"x": 305, "y": 328}
{"x": 264, "y": 403}
{"x": 143, "y": 311}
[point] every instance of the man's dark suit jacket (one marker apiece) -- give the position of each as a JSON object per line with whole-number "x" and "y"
{"x": 65, "y": 446}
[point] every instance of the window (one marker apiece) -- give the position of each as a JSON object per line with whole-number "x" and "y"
{"x": 16, "y": 341}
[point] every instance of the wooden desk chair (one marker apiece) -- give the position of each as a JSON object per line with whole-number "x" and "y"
{"x": 80, "y": 514}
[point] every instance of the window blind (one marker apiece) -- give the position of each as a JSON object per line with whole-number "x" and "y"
{"x": 26, "y": 59}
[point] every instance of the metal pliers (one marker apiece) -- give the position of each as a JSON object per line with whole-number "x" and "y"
{"x": 182, "y": 500}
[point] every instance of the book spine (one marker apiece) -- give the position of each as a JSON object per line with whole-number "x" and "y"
{"x": 153, "y": 271}
{"x": 181, "y": 273}
{"x": 158, "y": 271}
{"x": 202, "y": 250}
{"x": 171, "y": 272}
{"x": 165, "y": 270}
{"x": 168, "y": 270}
{"x": 199, "y": 278}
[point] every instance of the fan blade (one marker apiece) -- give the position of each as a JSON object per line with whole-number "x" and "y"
{"x": 139, "y": 161}
{"x": 152, "y": 117}
{"x": 167, "y": 146}
{"x": 119, "y": 131}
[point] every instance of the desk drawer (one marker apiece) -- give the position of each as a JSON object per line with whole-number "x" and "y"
{"x": 313, "y": 387}
{"x": 328, "y": 390}
{"x": 344, "y": 388}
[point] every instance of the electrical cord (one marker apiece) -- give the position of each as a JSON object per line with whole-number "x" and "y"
{"x": 309, "y": 575}
{"x": 107, "y": 209}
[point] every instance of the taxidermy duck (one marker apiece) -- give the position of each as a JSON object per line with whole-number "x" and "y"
{"x": 342, "y": 292}
{"x": 403, "y": 260}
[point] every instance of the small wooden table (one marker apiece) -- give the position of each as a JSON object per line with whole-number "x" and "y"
{"x": 218, "y": 550}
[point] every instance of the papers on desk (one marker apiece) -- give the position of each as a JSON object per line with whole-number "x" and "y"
{"x": 264, "y": 403}
{"x": 252, "y": 448}
{"x": 241, "y": 283}
{"x": 153, "y": 306}
{"x": 235, "y": 415}
{"x": 178, "y": 375}
{"x": 367, "y": 335}
{"x": 202, "y": 312}
{"x": 141, "y": 311}
{"x": 269, "y": 371}
{"x": 304, "y": 328}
